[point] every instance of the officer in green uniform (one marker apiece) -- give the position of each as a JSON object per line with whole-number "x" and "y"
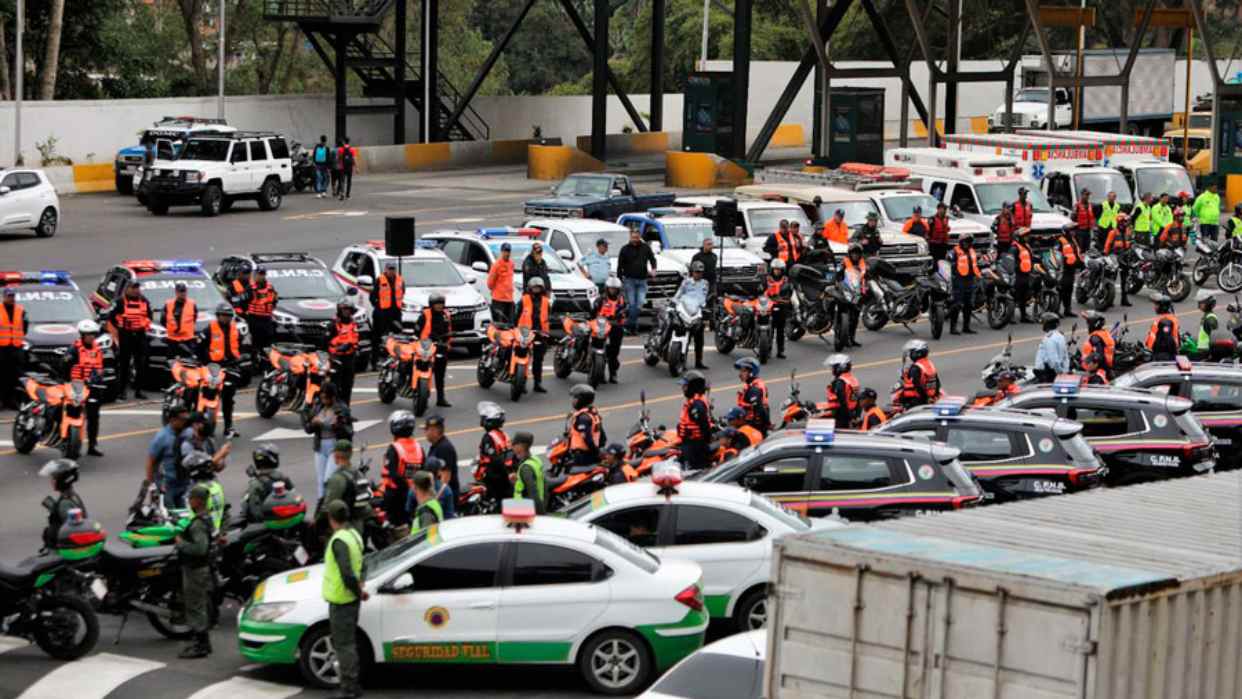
{"x": 1141, "y": 215}
{"x": 1108, "y": 218}
{"x": 528, "y": 480}
{"x": 428, "y": 512}
{"x": 343, "y": 485}
{"x": 194, "y": 547}
{"x": 1206, "y": 210}
{"x": 1161, "y": 214}
{"x": 1234, "y": 226}
{"x": 202, "y": 472}
{"x": 1208, "y": 323}
{"x": 342, "y": 590}
{"x": 63, "y": 473}
{"x": 263, "y": 475}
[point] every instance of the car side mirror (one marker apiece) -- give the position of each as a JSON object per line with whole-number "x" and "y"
{"x": 4, "y": 191}
{"x": 614, "y": 193}
{"x": 365, "y": 280}
{"x": 565, "y": 254}
{"x": 401, "y": 583}
{"x": 351, "y": 291}
{"x": 656, "y": 247}
{"x": 471, "y": 279}
{"x": 479, "y": 267}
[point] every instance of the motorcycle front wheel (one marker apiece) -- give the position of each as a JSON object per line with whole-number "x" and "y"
{"x": 483, "y": 373}
{"x": 674, "y": 359}
{"x": 422, "y": 394}
{"x": 1178, "y": 288}
{"x": 387, "y": 389}
{"x": 764, "y": 350}
{"x": 1104, "y": 300}
{"x": 1134, "y": 284}
{"x": 596, "y": 377}
{"x": 1202, "y": 271}
{"x": 67, "y": 627}
{"x": 796, "y": 331}
{"x": 724, "y": 343}
{"x": 1000, "y": 312}
{"x": 72, "y": 446}
{"x": 517, "y": 384}
{"x": 1049, "y": 301}
{"x": 873, "y": 316}
{"x": 562, "y": 362}
{"x": 24, "y": 440}
{"x": 651, "y": 351}
{"x": 265, "y": 404}
{"x": 1230, "y": 278}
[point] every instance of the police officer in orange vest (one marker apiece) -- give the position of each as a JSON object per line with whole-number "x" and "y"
{"x": 180, "y": 316}
{"x": 387, "y": 298}
{"x": 1024, "y": 263}
{"x": 1120, "y": 239}
{"x": 843, "y": 391}
{"x": 747, "y": 436}
{"x": 1071, "y": 261}
{"x": 1099, "y": 341}
{"x": 1093, "y": 366}
{"x": 495, "y": 457}
{"x": 780, "y": 291}
{"x": 611, "y": 305}
{"x": 403, "y": 458}
{"x": 85, "y": 363}
{"x": 128, "y": 320}
{"x": 436, "y": 324}
{"x": 261, "y": 301}
{"x": 694, "y": 426}
{"x": 872, "y": 416}
{"x": 220, "y": 343}
{"x": 852, "y": 266}
{"x": 753, "y": 395}
{"x": 920, "y": 384}
{"x": 13, "y": 326}
{"x": 964, "y": 265}
{"x": 1164, "y": 337}
{"x": 533, "y": 314}
{"x": 584, "y": 427}
{"x": 344, "y": 349}
{"x": 785, "y": 244}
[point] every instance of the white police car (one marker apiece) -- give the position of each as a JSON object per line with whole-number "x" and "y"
{"x": 510, "y": 589}
{"x": 731, "y": 668}
{"x": 724, "y": 528}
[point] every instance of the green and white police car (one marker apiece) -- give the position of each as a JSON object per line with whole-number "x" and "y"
{"x": 726, "y": 529}
{"x": 498, "y": 589}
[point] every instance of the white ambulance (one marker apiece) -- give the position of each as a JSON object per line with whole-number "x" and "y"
{"x": 1143, "y": 160}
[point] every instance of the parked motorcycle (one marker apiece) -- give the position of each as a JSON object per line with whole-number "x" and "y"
{"x": 196, "y": 388}
{"x": 507, "y": 358}
{"x": 1162, "y": 270}
{"x": 1045, "y": 279}
{"x": 814, "y": 308}
{"x": 795, "y": 411}
{"x": 994, "y": 295}
{"x": 1004, "y": 362}
{"x": 1097, "y": 283}
{"x": 407, "y": 370}
{"x": 670, "y": 339}
{"x": 303, "y": 168}
{"x": 1222, "y": 260}
{"x": 902, "y": 298}
{"x": 54, "y": 415}
{"x": 297, "y": 373}
{"x": 746, "y": 323}
{"x": 567, "y": 482}
{"x": 583, "y": 349}
{"x": 648, "y": 445}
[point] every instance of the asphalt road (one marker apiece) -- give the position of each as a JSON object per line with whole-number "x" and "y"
{"x": 99, "y": 230}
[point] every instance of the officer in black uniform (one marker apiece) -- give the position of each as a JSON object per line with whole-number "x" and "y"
{"x": 63, "y": 473}
{"x": 437, "y": 325}
{"x": 694, "y": 427}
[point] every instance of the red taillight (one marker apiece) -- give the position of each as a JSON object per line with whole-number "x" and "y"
{"x": 692, "y": 597}
{"x": 1195, "y": 451}
{"x": 287, "y": 511}
{"x": 86, "y": 538}
{"x": 1082, "y": 476}
{"x": 966, "y": 501}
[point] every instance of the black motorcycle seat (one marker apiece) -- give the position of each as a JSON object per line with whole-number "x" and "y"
{"x": 248, "y": 533}
{"x": 29, "y": 567}
{"x": 122, "y": 551}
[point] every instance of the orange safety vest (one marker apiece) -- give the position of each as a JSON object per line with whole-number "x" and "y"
{"x": 576, "y": 441}
{"x": 425, "y": 333}
{"x": 931, "y": 382}
{"x": 873, "y": 417}
{"x": 915, "y": 226}
{"x": 1023, "y": 214}
{"x": 180, "y": 329}
{"x": 862, "y": 270}
{"x": 217, "y": 350}
{"x": 500, "y": 440}
{"x": 1155, "y": 325}
{"x": 500, "y": 280}
{"x": 836, "y": 232}
{"x": 1173, "y": 235}
{"x": 1025, "y": 264}
{"x": 609, "y": 308}
{"x": 388, "y": 291}
{"x": 1069, "y": 250}
{"x": 12, "y": 329}
{"x": 687, "y": 429}
{"x": 741, "y": 398}
{"x": 967, "y": 262}
{"x": 409, "y": 459}
{"x": 526, "y": 318}
{"x": 939, "y": 230}
{"x": 262, "y": 300}
{"x": 754, "y": 435}
{"x": 1106, "y": 338}
{"x": 1117, "y": 240}
{"x": 239, "y": 291}
{"x": 851, "y": 392}
{"x": 786, "y": 249}
{"x": 775, "y": 287}
{"x": 1086, "y": 378}
{"x": 345, "y": 341}
{"x": 135, "y": 314}
{"x": 89, "y": 363}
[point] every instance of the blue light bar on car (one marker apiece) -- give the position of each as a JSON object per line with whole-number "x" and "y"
{"x": 497, "y": 232}
{"x": 1066, "y": 385}
{"x": 54, "y": 276}
{"x": 948, "y": 406}
{"x": 820, "y": 431}
{"x": 181, "y": 265}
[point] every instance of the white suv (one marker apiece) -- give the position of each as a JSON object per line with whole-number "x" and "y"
{"x": 213, "y": 171}
{"x": 28, "y": 202}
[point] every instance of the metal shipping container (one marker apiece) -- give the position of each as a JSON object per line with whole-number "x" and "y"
{"x": 1126, "y": 593}
{"x": 1151, "y": 83}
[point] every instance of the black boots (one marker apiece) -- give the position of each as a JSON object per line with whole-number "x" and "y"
{"x": 441, "y": 402}
{"x": 953, "y": 322}
{"x": 93, "y": 450}
{"x": 200, "y": 647}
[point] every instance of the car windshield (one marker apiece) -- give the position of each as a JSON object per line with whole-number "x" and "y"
{"x": 304, "y": 283}
{"x": 716, "y": 675}
{"x": 384, "y": 560}
{"x": 586, "y": 241}
{"x": 689, "y": 235}
{"x": 1200, "y": 121}
{"x": 429, "y": 272}
{"x": 794, "y": 521}
{"x": 584, "y": 187}
{"x": 855, "y": 211}
{"x": 53, "y": 305}
{"x": 1163, "y": 180}
{"x": 901, "y": 208}
{"x": 640, "y": 558}
{"x": 1032, "y": 96}
{"x": 1101, "y": 183}
{"x": 205, "y": 149}
{"x": 993, "y": 194}
{"x": 768, "y": 221}
{"x": 202, "y": 291}
{"x": 519, "y": 251}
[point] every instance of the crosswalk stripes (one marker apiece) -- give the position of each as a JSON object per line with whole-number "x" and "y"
{"x": 93, "y": 677}
{"x": 238, "y": 687}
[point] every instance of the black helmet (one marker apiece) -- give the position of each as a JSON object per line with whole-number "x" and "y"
{"x": 1164, "y": 304}
{"x": 65, "y": 471}
{"x": 536, "y": 282}
{"x": 967, "y": 241}
{"x": 583, "y": 395}
{"x": 223, "y": 309}
{"x": 436, "y": 299}
{"x": 615, "y": 449}
{"x": 1049, "y": 320}
{"x": 266, "y": 456}
{"x": 199, "y": 465}
{"x": 491, "y": 415}
{"x": 346, "y": 306}
{"x": 1095, "y": 320}
{"x": 840, "y": 363}
{"x": 854, "y": 248}
{"x": 432, "y": 463}
{"x": 402, "y": 423}
{"x": 693, "y": 383}
{"x": 698, "y": 266}
{"x": 867, "y": 393}
{"x": 749, "y": 364}
{"x": 916, "y": 350}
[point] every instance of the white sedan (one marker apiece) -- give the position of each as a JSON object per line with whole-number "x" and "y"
{"x": 28, "y": 201}
{"x": 731, "y": 668}
{"x": 490, "y": 589}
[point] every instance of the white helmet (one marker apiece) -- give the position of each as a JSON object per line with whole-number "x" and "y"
{"x": 613, "y": 283}
{"x": 778, "y": 263}
{"x": 88, "y": 327}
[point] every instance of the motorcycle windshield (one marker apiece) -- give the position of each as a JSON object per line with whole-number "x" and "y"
{"x": 852, "y": 281}
{"x": 689, "y": 307}
{"x": 942, "y": 271}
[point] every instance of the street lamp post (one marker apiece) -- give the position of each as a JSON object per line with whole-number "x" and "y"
{"x": 220, "y": 67}
{"x": 19, "y": 73}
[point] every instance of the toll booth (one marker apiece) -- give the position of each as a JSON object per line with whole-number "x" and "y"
{"x": 857, "y": 126}
{"x": 707, "y": 115}
{"x": 1229, "y": 141}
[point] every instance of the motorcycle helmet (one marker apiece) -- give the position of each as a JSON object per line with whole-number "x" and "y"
{"x": 432, "y": 464}
{"x": 735, "y": 413}
{"x": 855, "y": 250}
{"x": 749, "y": 364}
{"x": 436, "y": 299}
{"x": 967, "y": 241}
{"x": 731, "y": 436}
{"x": 1091, "y": 361}
{"x": 1006, "y": 375}
{"x": 345, "y": 308}
{"x": 697, "y": 266}
{"x": 915, "y": 350}
{"x": 778, "y": 265}
{"x": 1049, "y": 320}
{"x": 225, "y": 310}
{"x": 616, "y": 450}
{"x": 1095, "y": 320}
{"x": 88, "y": 327}
{"x": 867, "y": 394}
{"x": 873, "y": 216}
{"x": 1164, "y": 304}
{"x": 401, "y": 423}
{"x": 840, "y": 363}
{"x": 583, "y": 395}
{"x": 1205, "y": 300}
{"x": 693, "y": 383}
{"x": 199, "y": 465}
{"x": 536, "y": 284}
{"x": 491, "y": 415}
{"x": 64, "y": 471}
{"x": 266, "y": 456}
{"x": 615, "y": 283}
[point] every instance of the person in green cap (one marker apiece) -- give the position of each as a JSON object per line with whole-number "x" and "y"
{"x": 343, "y": 577}
{"x": 1206, "y": 210}
{"x": 528, "y": 480}
{"x": 428, "y": 511}
{"x": 344, "y": 484}
{"x": 194, "y": 551}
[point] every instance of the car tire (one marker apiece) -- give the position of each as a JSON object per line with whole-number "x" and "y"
{"x": 212, "y": 200}
{"x": 125, "y": 185}
{"x": 157, "y": 207}
{"x": 750, "y": 609}
{"x": 226, "y": 204}
{"x": 317, "y": 658}
{"x": 615, "y": 662}
{"x": 48, "y": 221}
{"x": 271, "y": 196}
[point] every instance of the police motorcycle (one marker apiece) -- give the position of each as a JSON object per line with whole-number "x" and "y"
{"x": 1222, "y": 260}
{"x": 647, "y": 445}
{"x": 297, "y": 373}
{"x": 507, "y": 358}
{"x": 901, "y": 298}
{"x": 195, "y": 388}
{"x": 1045, "y": 283}
{"x": 670, "y": 339}
{"x": 1097, "y": 283}
{"x": 994, "y": 295}
{"x": 795, "y": 411}
{"x": 583, "y": 349}
{"x": 303, "y": 168}
{"x": 746, "y": 323}
{"x": 1004, "y": 362}
{"x": 1161, "y": 270}
{"x": 54, "y": 414}
{"x": 816, "y": 294}
{"x": 407, "y": 370}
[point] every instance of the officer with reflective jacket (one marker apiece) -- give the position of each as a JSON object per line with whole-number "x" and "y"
{"x": 427, "y": 509}
{"x": 528, "y": 479}
{"x": 871, "y": 415}
{"x": 920, "y": 384}
{"x": 260, "y": 298}
{"x": 1099, "y": 339}
{"x": 387, "y": 299}
{"x": 785, "y": 244}
{"x": 202, "y": 470}
{"x": 495, "y": 454}
{"x": 436, "y": 324}
{"x": 1208, "y": 323}
{"x": 14, "y": 323}
{"x": 1024, "y": 262}
{"x": 1164, "y": 336}
{"x": 853, "y": 269}
{"x": 964, "y": 269}
{"x": 753, "y": 395}
{"x": 84, "y": 363}
{"x": 264, "y": 474}
{"x": 220, "y": 343}
{"x": 402, "y": 459}
{"x": 780, "y": 292}
{"x": 344, "y": 350}
{"x": 533, "y": 315}
{"x": 747, "y": 436}
{"x": 1119, "y": 240}
{"x": 63, "y": 474}
{"x": 842, "y": 391}
{"x": 180, "y": 317}
{"x": 611, "y": 305}
{"x": 694, "y": 426}
{"x": 346, "y": 485}
{"x": 584, "y": 427}
{"x": 1093, "y": 370}
{"x": 1071, "y": 262}
{"x": 128, "y": 320}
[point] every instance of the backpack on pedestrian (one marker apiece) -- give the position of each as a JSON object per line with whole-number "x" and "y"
{"x": 321, "y": 154}
{"x": 1165, "y": 342}
{"x": 347, "y": 158}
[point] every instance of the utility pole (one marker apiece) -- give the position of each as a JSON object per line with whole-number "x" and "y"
{"x": 18, "y": 88}
{"x": 220, "y": 66}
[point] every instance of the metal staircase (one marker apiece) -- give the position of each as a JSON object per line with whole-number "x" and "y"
{"x": 373, "y": 59}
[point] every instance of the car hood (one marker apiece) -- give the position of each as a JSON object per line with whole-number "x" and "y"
{"x": 563, "y": 201}
{"x": 1031, "y": 108}
{"x": 292, "y": 586}
{"x": 310, "y": 309}
{"x": 664, "y": 263}
{"x": 454, "y": 296}
{"x": 51, "y": 334}
{"x": 732, "y": 257}
{"x": 187, "y": 164}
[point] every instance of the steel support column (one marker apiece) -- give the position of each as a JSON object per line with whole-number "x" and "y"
{"x": 488, "y": 64}
{"x": 822, "y": 84}
{"x": 656, "y": 109}
{"x": 340, "y": 41}
{"x": 429, "y": 118}
{"x": 741, "y": 74}
{"x": 599, "y": 82}
{"x": 398, "y": 70}
{"x": 953, "y": 49}
{"x": 1196, "y": 9}
{"x": 580, "y": 25}
{"x": 909, "y": 92}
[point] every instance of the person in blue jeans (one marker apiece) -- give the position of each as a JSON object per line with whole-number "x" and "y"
{"x": 162, "y": 461}
{"x": 635, "y": 263}
{"x": 321, "y": 156}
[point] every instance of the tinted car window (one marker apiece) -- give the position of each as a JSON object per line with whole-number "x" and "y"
{"x": 981, "y": 445}
{"x": 544, "y": 564}
{"x": 786, "y": 475}
{"x": 12, "y": 181}
{"x": 638, "y": 525}
{"x": 461, "y": 568}
{"x": 279, "y": 148}
{"x": 238, "y": 154}
{"x": 28, "y": 179}
{"x": 854, "y": 473}
{"x": 708, "y": 525}
{"x": 258, "y": 151}
{"x": 716, "y": 675}
{"x": 560, "y": 241}
{"x": 1099, "y": 422}
{"x": 1216, "y": 396}
{"x": 453, "y": 249}
{"x": 964, "y": 199}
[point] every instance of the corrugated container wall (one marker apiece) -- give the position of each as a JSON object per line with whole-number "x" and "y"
{"x": 1127, "y": 593}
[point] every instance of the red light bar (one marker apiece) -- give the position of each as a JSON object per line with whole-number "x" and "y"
{"x": 529, "y": 232}
{"x": 517, "y": 512}
{"x": 375, "y": 244}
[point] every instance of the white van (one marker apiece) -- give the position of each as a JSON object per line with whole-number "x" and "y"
{"x": 1142, "y": 160}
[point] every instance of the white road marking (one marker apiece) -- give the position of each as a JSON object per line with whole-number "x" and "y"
{"x": 148, "y": 412}
{"x": 365, "y": 389}
{"x": 355, "y": 213}
{"x": 364, "y": 424}
{"x": 283, "y": 433}
{"x": 468, "y": 219}
{"x": 5, "y": 444}
{"x": 245, "y": 687}
{"x": 8, "y": 643}
{"x": 94, "y": 677}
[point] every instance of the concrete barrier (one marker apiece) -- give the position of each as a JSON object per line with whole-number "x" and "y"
{"x": 788, "y": 136}
{"x": 638, "y": 143}
{"x": 555, "y": 162}
{"x": 416, "y": 157}
{"x": 702, "y": 171}
{"x": 82, "y": 179}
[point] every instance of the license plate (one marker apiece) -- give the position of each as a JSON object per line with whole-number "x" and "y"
{"x": 99, "y": 588}
{"x": 301, "y": 556}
